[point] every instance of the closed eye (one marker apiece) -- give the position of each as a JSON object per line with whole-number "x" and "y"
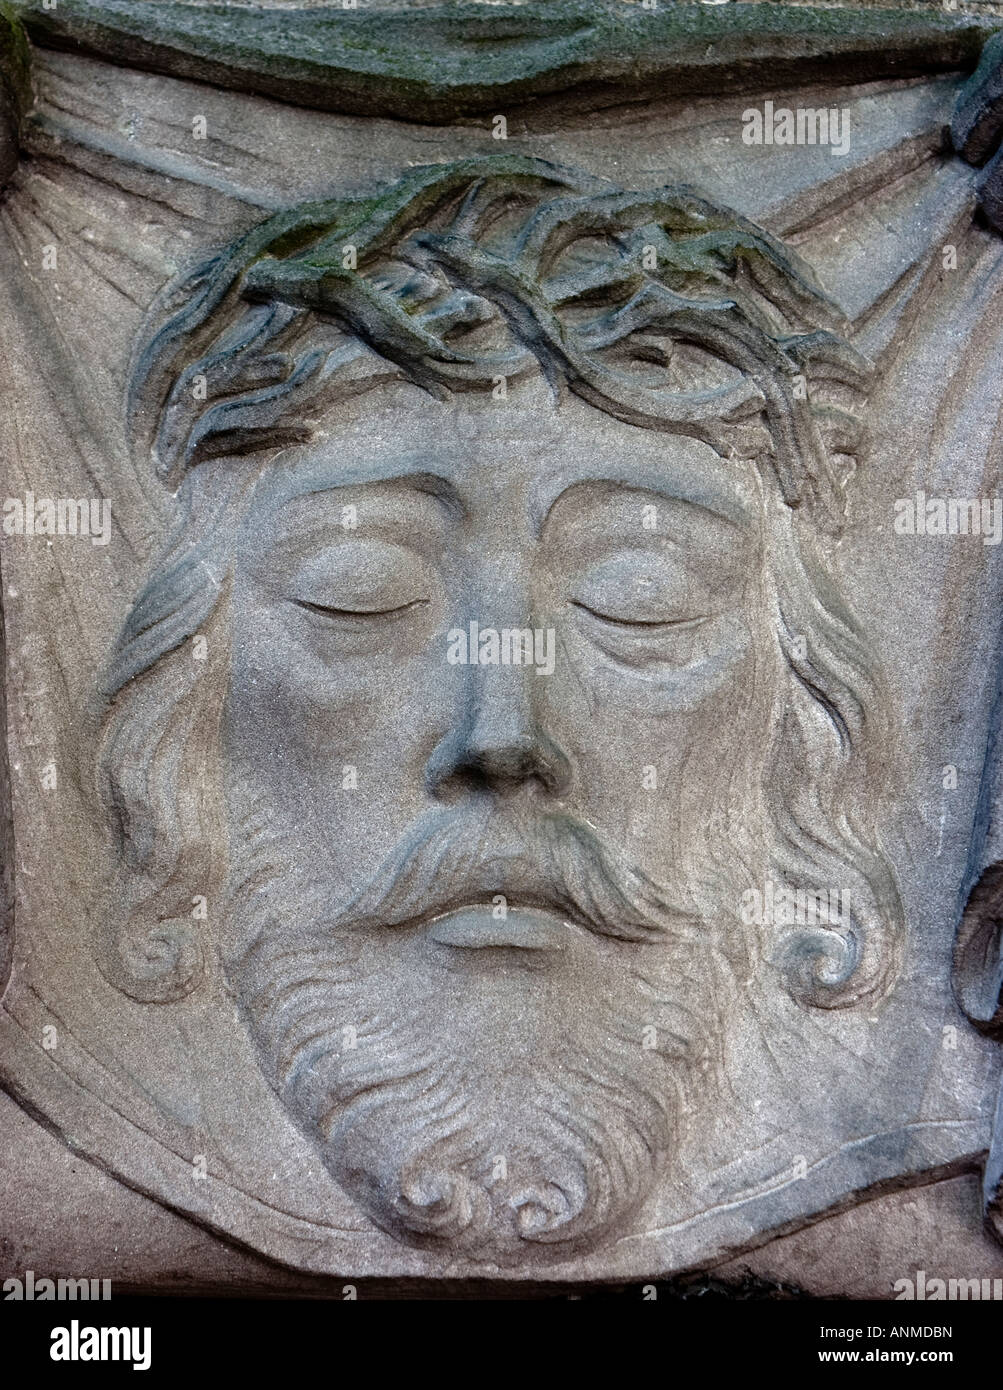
{"x": 327, "y": 611}
{"x": 643, "y": 624}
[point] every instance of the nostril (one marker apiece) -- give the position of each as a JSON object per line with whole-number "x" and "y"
{"x": 507, "y": 765}
{"x": 463, "y": 764}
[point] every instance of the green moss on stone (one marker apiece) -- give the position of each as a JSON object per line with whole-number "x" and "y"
{"x": 449, "y": 60}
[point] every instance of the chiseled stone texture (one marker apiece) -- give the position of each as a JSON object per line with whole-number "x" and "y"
{"x": 501, "y": 589}
{"x": 64, "y": 1217}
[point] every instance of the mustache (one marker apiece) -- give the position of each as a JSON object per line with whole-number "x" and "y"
{"x": 549, "y": 861}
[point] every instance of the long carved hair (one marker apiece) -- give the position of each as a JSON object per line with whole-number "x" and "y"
{"x": 658, "y": 307}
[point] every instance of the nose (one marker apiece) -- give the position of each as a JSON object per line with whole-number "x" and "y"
{"x": 498, "y": 743}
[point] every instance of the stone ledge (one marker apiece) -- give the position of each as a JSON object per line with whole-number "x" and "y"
{"x": 445, "y": 61}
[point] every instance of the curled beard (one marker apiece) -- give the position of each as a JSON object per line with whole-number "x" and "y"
{"x": 507, "y": 1105}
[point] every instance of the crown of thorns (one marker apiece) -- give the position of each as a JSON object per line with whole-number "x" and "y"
{"x": 659, "y": 307}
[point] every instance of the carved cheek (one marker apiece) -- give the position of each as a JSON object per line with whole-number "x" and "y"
{"x": 640, "y": 747}
{"x": 309, "y": 697}
{"x": 658, "y": 675}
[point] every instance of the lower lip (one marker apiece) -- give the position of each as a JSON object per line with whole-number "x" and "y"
{"x": 477, "y": 929}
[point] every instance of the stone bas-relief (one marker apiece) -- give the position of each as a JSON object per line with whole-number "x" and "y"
{"x": 490, "y": 799}
{"x": 483, "y": 907}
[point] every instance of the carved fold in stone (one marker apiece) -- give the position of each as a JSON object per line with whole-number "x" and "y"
{"x": 461, "y": 948}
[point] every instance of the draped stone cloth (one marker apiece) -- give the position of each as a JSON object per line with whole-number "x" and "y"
{"x": 115, "y": 195}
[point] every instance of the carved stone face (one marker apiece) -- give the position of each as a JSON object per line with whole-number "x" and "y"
{"x": 501, "y": 707}
{"x": 474, "y": 921}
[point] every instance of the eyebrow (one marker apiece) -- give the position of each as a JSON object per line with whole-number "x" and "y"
{"x": 419, "y": 478}
{"x": 691, "y": 488}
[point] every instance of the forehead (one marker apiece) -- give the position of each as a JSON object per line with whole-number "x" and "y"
{"x": 520, "y": 452}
